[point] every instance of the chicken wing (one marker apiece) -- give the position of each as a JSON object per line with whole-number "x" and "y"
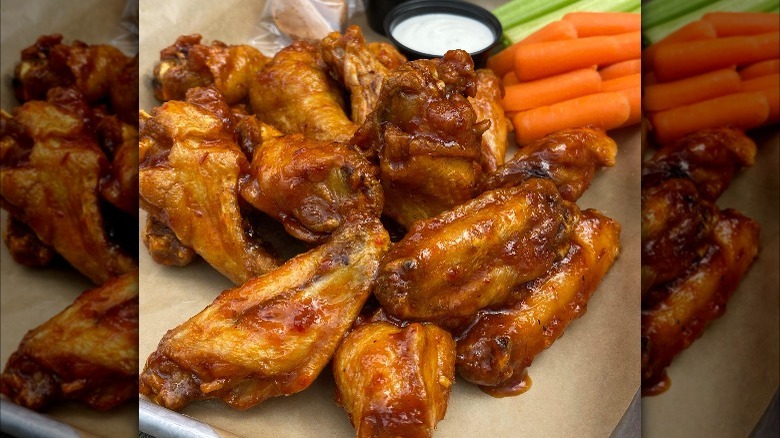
{"x": 163, "y": 245}
{"x": 696, "y": 298}
{"x": 473, "y": 256}
{"x": 569, "y": 158}
{"x": 88, "y": 352}
{"x": 48, "y": 63}
{"x": 188, "y": 64}
{"x": 501, "y": 343}
{"x": 50, "y": 178}
{"x": 274, "y": 334}
{"x": 426, "y": 137}
{"x": 25, "y": 247}
{"x": 488, "y": 106}
{"x": 295, "y": 94}
{"x": 189, "y": 181}
{"x": 311, "y": 186}
{"x": 124, "y": 93}
{"x": 395, "y": 381}
{"x": 120, "y": 141}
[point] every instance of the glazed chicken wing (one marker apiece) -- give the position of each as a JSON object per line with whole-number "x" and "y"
{"x": 120, "y": 141}
{"x": 189, "y": 181}
{"x": 426, "y": 137}
{"x": 568, "y": 157}
{"x": 311, "y": 186}
{"x": 488, "y": 106}
{"x": 273, "y": 335}
{"x": 25, "y": 247}
{"x": 50, "y": 178}
{"x": 88, "y": 352}
{"x": 188, "y": 64}
{"x": 387, "y": 54}
{"x": 295, "y": 94}
{"x": 501, "y": 343}
{"x": 393, "y": 381}
{"x": 48, "y": 63}
{"x": 124, "y": 93}
{"x": 448, "y": 267}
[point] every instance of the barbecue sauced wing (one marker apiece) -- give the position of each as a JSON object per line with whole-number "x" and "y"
{"x": 50, "y": 179}
{"x": 124, "y": 93}
{"x": 88, "y": 352}
{"x": 311, "y": 186}
{"x": 24, "y": 246}
{"x": 488, "y": 106}
{"x": 48, "y": 63}
{"x": 426, "y": 137}
{"x": 448, "y": 267}
{"x": 501, "y": 343}
{"x": 189, "y": 181}
{"x": 274, "y": 334}
{"x": 387, "y": 54}
{"x": 120, "y": 141}
{"x": 395, "y": 381}
{"x": 295, "y": 94}
{"x": 568, "y": 157}
{"x": 189, "y": 64}
{"x": 690, "y": 302}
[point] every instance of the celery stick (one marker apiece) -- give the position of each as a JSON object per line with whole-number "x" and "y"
{"x": 660, "y": 11}
{"x": 516, "y": 12}
{"x": 517, "y": 33}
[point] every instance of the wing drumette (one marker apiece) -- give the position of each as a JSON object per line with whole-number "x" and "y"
{"x": 487, "y": 106}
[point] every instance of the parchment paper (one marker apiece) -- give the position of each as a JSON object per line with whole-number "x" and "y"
{"x": 582, "y": 385}
{"x": 29, "y": 297}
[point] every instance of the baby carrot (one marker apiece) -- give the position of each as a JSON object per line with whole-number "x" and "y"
{"x": 622, "y": 83}
{"x": 634, "y": 96}
{"x": 760, "y": 69}
{"x": 504, "y": 61}
{"x": 678, "y": 60}
{"x": 773, "y": 96}
{"x": 649, "y": 79}
{"x": 604, "y": 23}
{"x": 761, "y": 83}
{"x": 621, "y": 68}
{"x": 603, "y": 110}
{"x": 553, "y": 89}
{"x": 739, "y": 110}
{"x": 666, "y": 95}
{"x": 742, "y": 23}
{"x": 693, "y": 31}
{"x": 538, "y": 60}
{"x": 510, "y": 79}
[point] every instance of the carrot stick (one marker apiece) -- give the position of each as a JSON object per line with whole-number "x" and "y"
{"x": 666, "y": 95}
{"x": 693, "y": 31}
{"x": 538, "y": 60}
{"x": 678, "y": 60}
{"x": 553, "y": 89}
{"x": 622, "y": 83}
{"x": 761, "y": 83}
{"x": 604, "y": 23}
{"x": 742, "y": 23}
{"x": 649, "y": 79}
{"x": 504, "y": 61}
{"x": 738, "y": 110}
{"x": 773, "y": 96}
{"x": 603, "y": 110}
{"x": 760, "y": 69}
{"x": 634, "y": 96}
{"x": 510, "y": 79}
{"x": 621, "y": 68}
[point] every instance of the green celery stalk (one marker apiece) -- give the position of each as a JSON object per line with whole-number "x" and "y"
{"x": 657, "y": 12}
{"x": 519, "y": 11}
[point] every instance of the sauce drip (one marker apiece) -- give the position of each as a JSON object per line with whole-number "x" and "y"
{"x": 435, "y": 34}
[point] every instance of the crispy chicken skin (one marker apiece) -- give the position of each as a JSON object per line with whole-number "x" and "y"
{"x": 88, "y": 352}
{"x": 273, "y": 335}
{"x": 189, "y": 180}
{"x": 295, "y": 94}
{"x": 570, "y": 158}
{"x": 311, "y": 186}
{"x": 501, "y": 343}
{"x": 426, "y": 137}
{"x": 393, "y": 381}
{"x": 487, "y": 106}
{"x": 690, "y": 302}
{"x": 448, "y": 267}
{"x": 163, "y": 245}
{"x": 51, "y": 170}
{"x": 387, "y": 54}
{"x": 124, "y": 93}
{"x": 25, "y": 247}
{"x": 120, "y": 141}
{"x": 48, "y": 63}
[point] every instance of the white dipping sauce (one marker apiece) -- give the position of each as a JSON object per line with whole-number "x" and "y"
{"x": 435, "y": 34}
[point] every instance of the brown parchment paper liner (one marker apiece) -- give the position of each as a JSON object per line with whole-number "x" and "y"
{"x": 581, "y": 386}
{"x": 29, "y": 297}
{"x": 722, "y": 384}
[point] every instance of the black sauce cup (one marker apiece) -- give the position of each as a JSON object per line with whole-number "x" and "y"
{"x": 414, "y": 8}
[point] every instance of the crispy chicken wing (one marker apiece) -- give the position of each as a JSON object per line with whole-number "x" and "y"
{"x": 501, "y": 343}
{"x": 274, "y": 334}
{"x": 25, "y": 247}
{"x": 87, "y": 352}
{"x": 189, "y": 181}
{"x": 569, "y": 158}
{"x": 124, "y": 93}
{"x": 48, "y": 63}
{"x": 188, "y": 64}
{"x": 473, "y": 256}
{"x": 50, "y": 178}
{"x": 426, "y": 137}
{"x": 163, "y": 245}
{"x": 395, "y": 381}
{"x": 295, "y": 94}
{"x": 487, "y": 106}
{"x": 120, "y": 141}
